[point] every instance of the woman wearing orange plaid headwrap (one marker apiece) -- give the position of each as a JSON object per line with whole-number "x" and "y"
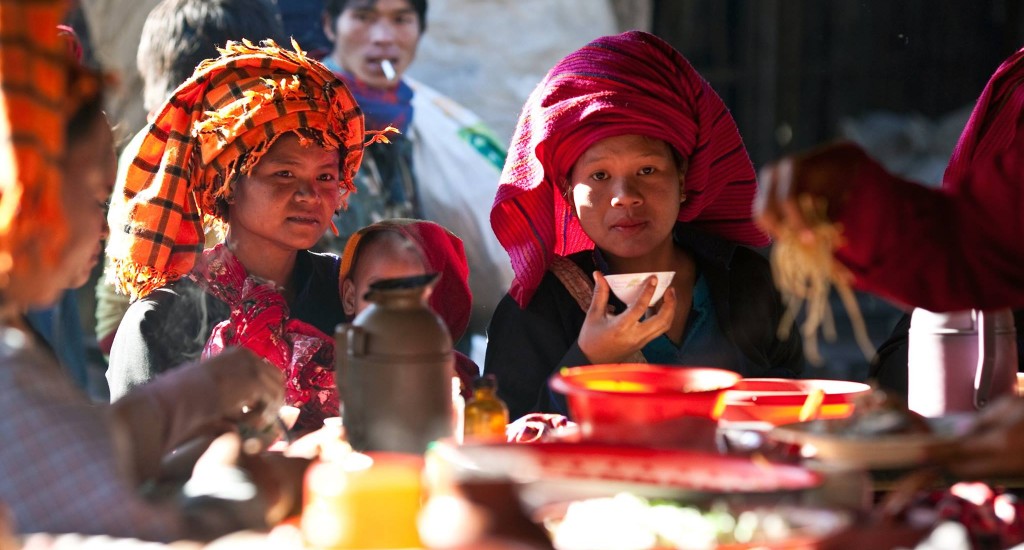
{"x": 264, "y": 142}
{"x": 71, "y": 465}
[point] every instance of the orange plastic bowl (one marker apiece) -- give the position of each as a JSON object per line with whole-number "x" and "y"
{"x": 640, "y": 403}
{"x": 778, "y": 401}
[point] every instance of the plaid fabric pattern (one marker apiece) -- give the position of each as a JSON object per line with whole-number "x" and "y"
{"x": 215, "y": 127}
{"x": 59, "y": 469}
{"x": 632, "y": 83}
{"x": 34, "y": 65}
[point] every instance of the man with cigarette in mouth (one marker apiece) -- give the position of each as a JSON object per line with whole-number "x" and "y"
{"x": 442, "y": 166}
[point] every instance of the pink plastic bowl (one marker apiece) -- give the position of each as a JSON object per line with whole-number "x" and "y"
{"x": 638, "y": 403}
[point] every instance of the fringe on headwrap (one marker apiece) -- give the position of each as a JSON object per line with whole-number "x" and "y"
{"x": 216, "y": 127}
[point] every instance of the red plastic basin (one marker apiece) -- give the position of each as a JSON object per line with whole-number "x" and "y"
{"x": 641, "y": 403}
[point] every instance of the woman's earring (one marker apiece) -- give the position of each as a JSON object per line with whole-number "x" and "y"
{"x": 682, "y": 197}
{"x": 567, "y": 193}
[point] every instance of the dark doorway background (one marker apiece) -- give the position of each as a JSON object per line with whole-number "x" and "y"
{"x": 792, "y": 70}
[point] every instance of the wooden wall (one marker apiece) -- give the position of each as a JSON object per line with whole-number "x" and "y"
{"x": 790, "y": 69}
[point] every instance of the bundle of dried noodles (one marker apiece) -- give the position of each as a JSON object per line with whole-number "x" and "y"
{"x": 805, "y": 272}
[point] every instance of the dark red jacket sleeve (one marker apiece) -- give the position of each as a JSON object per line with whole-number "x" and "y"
{"x": 954, "y": 248}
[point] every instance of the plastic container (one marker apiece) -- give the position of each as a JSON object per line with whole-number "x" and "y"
{"x": 356, "y": 500}
{"x": 641, "y": 403}
{"x": 778, "y": 401}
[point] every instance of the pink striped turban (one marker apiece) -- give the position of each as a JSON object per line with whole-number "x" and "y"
{"x": 632, "y": 83}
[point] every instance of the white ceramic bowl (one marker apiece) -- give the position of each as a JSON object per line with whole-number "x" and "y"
{"x": 627, "y": 286}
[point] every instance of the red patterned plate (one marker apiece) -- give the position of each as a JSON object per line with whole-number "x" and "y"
{"x": 566, "y": 471}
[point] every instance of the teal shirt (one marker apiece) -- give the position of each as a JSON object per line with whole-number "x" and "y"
{"x": 704, "y": 341}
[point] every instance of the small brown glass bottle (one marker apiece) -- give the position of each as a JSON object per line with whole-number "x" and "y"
{"x": 486, "y": 414}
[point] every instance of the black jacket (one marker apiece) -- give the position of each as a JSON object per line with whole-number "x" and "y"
{"x": 526, "y": 346}
{"x": 170, "y": 326}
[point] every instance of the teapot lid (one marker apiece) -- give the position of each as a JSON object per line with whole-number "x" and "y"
{"x": 399, "y": 283}
{"x": 415, "y": 282}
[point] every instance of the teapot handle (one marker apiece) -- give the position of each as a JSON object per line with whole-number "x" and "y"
{"x": 986, "y": 361}
{"x": 349, "y": 340}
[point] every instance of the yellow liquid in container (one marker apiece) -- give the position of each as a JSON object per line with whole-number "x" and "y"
{"x": 363, "y": 501}
{"x": 624, "y": 386}
{"x": 486, "y": 416}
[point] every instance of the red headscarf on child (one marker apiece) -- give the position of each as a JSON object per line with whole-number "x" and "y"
{"x": 632, "y": 83}
{"x": 442, "y": 252}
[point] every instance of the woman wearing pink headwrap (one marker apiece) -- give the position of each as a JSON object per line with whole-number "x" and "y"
{"x": 625, "y": 160}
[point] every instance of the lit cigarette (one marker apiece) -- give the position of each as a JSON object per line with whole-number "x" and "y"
{"x": 389, "y": 70}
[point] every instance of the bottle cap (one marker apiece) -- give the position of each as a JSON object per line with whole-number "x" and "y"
{"x": 487, "y": 381}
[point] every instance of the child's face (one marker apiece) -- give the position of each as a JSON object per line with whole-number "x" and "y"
{"x": 288, "y": 199}
{"x": 389, "y": 258}
{"x": 626, "y": 192}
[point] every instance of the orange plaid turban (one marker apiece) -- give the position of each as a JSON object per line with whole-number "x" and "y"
{"x": 34, "y": 69}
{"x": 214, "y": 128}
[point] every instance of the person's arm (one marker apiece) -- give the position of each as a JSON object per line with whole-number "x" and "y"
{"x": 950, "y": 249}
{"x": 63, "y": 471}
{"x": 203, "y": 398}
{"x": 157, "y": 333}
{"x": 937, "y": 249}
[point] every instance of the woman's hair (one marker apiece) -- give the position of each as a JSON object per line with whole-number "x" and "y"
{"x": 80, "y": 122}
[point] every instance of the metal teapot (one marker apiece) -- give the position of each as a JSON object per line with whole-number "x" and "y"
{"x": 960, "y": 361}
{"x": 394, "y": 369}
